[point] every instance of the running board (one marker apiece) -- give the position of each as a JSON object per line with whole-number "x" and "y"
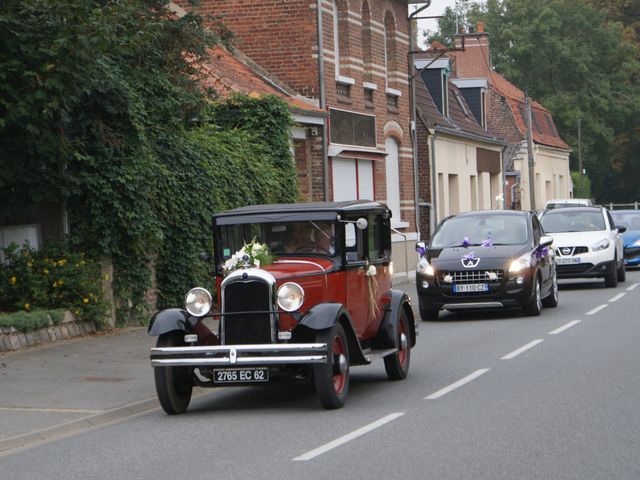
{"x": 371, "y": 355}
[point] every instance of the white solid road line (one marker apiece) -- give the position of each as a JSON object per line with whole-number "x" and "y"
{"x": 522, "y": 349}
{"x": 347, "y": 438}
{"x": 564, "y": 327}
{"x": 597, "y": 309}
{"x": 632, "y": 287}
{"x": 617, "y": 297}
{"x": 458, "y": 384}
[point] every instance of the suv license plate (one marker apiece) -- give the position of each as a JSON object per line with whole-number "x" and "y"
{"x": 471, "y": 287}
{"x": 567, "y": 260}
{"x": 240, "y": 375}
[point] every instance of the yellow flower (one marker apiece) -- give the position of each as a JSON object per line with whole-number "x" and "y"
{"x": 12, "y": 280}
{"x": 55, "y": 284}
{"x": 44, "y": 270}
{"x": 85, "y": 300}
{"x": 27, "y": 306}
{"x": 61, "y": 262}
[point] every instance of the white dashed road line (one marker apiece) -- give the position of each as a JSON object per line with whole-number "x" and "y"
{"x": 564, "y": 327}
{"x": 597, "y": 309}
{"x": 347, "y": 438}
{"x": 617, "y": 297}
{"x": 632, "y": 287}
{"x": 522, "y": 349}
{"x": 457, "y": 384}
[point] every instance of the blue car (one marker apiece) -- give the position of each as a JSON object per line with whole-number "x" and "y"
{"x": 631, "y": 238}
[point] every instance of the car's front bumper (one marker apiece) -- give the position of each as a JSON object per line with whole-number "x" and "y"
{"x": 240, "y": 355}
{"x": 632, "y": 256}
{"x": 433, "y": 296}
{"x": 586, "y": 270}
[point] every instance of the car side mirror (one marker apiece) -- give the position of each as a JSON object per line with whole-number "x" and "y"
{"x": 546, "y": 240}
{"x": 621, "y": 229}
{"x": 421, "y": 248}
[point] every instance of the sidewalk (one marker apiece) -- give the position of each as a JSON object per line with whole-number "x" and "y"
{"x": 63, "y": 388}
{"x": 74, "y": 384}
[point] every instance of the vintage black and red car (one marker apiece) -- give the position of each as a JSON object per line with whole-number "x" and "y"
{"x": 303, "y": 293}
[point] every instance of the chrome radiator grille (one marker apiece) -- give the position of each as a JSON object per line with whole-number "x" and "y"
{"x": 245, "y": 317}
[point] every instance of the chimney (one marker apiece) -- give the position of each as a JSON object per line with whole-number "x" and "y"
{"x": 474, "y": 61}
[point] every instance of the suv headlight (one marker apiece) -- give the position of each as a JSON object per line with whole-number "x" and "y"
{"x": 425, "y": 268}
{"x": 290, "y": 297}
{"x": 198, "y": 302}
{"x": 520, "y": 264}
{"x": 601, "y": 245}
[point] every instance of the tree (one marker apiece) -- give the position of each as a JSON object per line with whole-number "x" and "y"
{"x": 101, "y": 107}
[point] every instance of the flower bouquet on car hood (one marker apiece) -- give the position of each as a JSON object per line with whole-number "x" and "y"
{"x": 252, "y": 254}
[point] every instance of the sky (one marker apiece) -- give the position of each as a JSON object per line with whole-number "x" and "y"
{"x": 437, "y": 7}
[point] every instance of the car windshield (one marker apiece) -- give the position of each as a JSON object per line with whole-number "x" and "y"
{"x": 630, "y": 220}
{"x": 568, "y": 220}
{"x": 478, "y": 230}
{"x": 307, "y": 237}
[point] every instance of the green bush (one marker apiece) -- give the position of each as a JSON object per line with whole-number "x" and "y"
{"x": 51, "y": 278}
{"x": 30, "y": 321}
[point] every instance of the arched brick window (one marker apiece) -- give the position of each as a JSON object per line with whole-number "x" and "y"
{"x": 366, "y": 41}
{"x": 390, "y": 63}
{"x": 341, "y": 36}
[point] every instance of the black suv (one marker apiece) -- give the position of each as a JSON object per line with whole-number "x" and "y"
{"x": 487, "y": 259}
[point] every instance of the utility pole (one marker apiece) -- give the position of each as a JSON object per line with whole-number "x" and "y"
{"x": 530, "y": 160}
{"x": 580, "y": 146}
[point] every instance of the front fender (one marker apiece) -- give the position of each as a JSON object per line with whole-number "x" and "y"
{"x": 169, "y": 320}
{"x": 326, "y": 315}
{"x": 387, "y": 335}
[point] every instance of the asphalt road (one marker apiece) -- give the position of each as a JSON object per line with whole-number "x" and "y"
{"x": 489, "y": 396}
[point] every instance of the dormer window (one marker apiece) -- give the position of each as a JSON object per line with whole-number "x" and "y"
{"x": 474, "y": 92}
{"x": 445, "y": 92}
{"x": 435, "y": 74}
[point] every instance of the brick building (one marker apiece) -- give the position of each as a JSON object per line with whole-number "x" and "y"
{"x": 349, "y": 58}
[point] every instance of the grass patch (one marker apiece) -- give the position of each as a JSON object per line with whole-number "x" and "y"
{"x": 30, "y": 321}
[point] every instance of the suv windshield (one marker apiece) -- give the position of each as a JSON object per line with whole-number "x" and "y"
{"x": 481, "y": 230}
{"x": 281, "y": 238}
{"x": 568, "y": 220}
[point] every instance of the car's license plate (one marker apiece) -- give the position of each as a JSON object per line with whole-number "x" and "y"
{"x": 240, "y": 375}
{"x": 471, "y": 287}
{"x": 567, "y": 260}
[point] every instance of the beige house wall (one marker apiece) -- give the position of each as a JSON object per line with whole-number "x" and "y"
{"x": 552, "y": 176}
{"x": 459, "y": 187}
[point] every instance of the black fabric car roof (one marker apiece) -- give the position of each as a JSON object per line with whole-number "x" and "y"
{"x": 294, "y": 211}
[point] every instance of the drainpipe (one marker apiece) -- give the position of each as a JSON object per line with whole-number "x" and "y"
{"x": 323, "y": 104}
{"x": 413, "y": 129}
{"x": 434, "y": 178}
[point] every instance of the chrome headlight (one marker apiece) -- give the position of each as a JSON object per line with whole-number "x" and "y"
{"x": 290, "y": 297}
{"x": 520, "y": 264}
{"x": 601, "y": 245}
{"x": 198, "y": 302}
{"x": 425, "y": 267}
